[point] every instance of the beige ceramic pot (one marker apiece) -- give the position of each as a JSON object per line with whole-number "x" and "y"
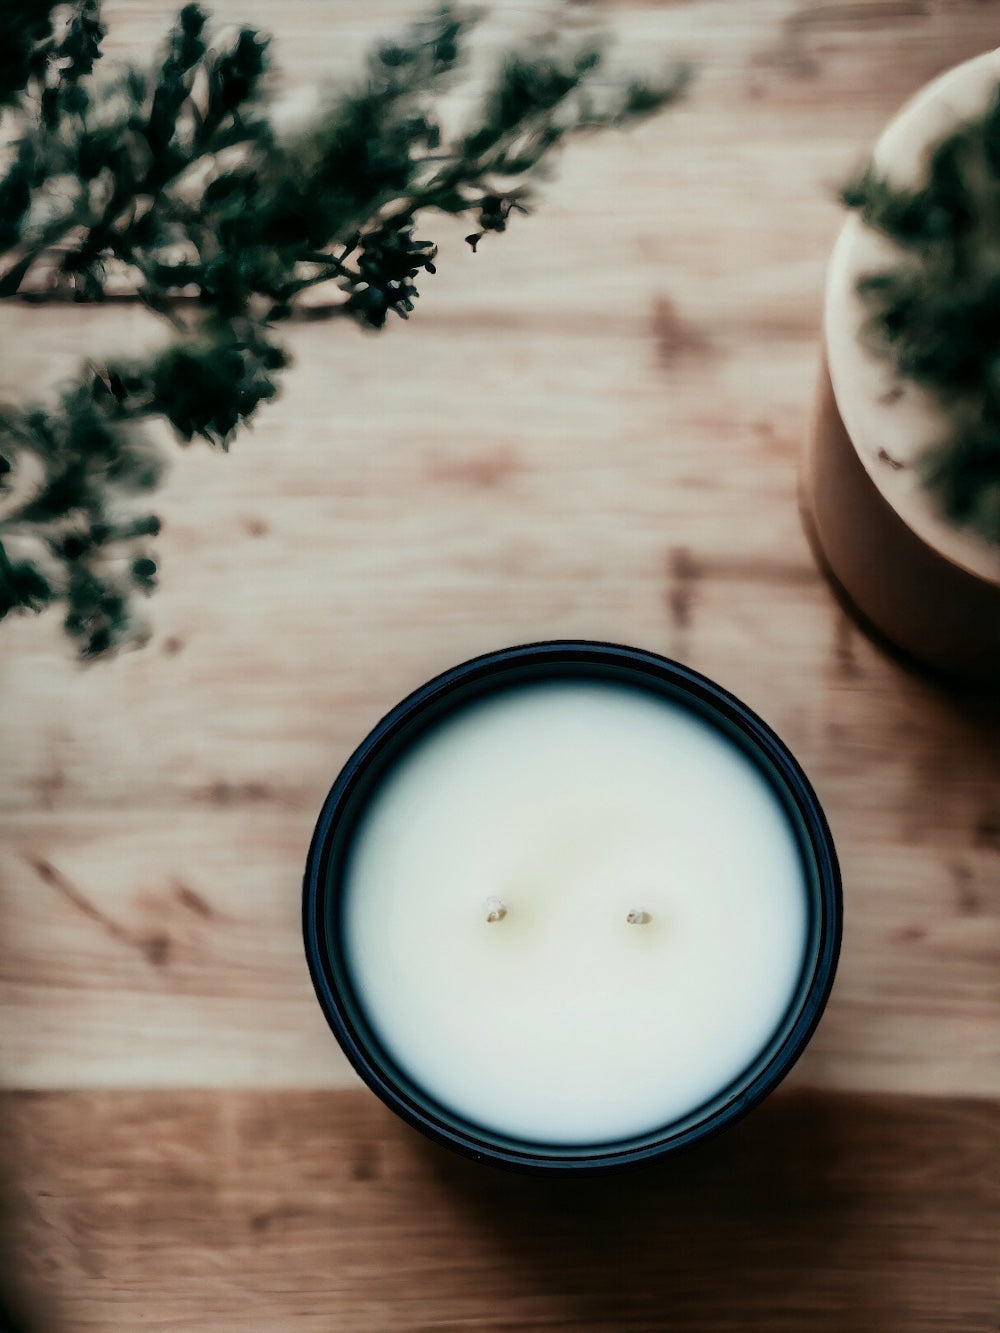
{"x": 929, "y": 588}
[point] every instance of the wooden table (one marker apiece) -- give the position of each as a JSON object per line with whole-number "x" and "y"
{"x": 591, "y": 428}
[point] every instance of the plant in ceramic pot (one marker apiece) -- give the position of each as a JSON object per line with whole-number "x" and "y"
{"x": 902, "y": 483}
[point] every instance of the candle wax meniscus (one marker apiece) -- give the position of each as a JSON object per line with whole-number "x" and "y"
{"x": 574, "y": 806}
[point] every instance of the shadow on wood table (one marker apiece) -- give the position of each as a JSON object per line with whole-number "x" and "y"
{"x": 206, "y": 1211}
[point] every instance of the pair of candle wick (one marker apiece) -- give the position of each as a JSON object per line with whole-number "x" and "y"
{"x": 496, "y": 910}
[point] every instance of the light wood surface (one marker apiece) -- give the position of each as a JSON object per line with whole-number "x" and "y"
{"x": 318, "y": 1210}
{"x": 591, "y": 428}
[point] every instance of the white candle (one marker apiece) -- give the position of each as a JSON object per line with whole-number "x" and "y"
{"x": 574, "y": 912}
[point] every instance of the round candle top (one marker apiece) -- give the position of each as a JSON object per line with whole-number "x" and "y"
{"x": 573, "y": 912}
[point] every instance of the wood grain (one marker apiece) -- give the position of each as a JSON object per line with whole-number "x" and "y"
{"x": 320, "y": 1211}
{"x": 591, "y": 428}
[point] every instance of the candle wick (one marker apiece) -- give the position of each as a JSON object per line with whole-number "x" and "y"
{"x": 635, "y": 918}
{"x": 496, "y": 910}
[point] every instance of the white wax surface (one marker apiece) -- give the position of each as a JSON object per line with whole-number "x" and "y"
{"x": 574, "y": 804}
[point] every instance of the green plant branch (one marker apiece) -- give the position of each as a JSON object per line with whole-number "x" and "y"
{"x": 182, "y": 190}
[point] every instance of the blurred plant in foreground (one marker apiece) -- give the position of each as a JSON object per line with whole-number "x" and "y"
{"x": 176, "y": 181}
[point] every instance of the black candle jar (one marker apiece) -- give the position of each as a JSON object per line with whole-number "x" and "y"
{"x": 440, "y": 699}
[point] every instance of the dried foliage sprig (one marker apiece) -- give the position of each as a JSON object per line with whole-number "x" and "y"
{"x": 177, "y": 182}
{"x": 936, "y": 314}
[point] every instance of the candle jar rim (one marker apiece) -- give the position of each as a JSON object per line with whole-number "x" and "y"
{"x": 558, "y": 661}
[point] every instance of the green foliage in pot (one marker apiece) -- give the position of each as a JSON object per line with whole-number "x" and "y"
{"x": 936, "y": 313}
{"x": 176, "y": 180}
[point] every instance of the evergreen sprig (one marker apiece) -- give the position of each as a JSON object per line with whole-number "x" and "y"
{"x": 936, "y": 314}
{"x": 176, "y": 183}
